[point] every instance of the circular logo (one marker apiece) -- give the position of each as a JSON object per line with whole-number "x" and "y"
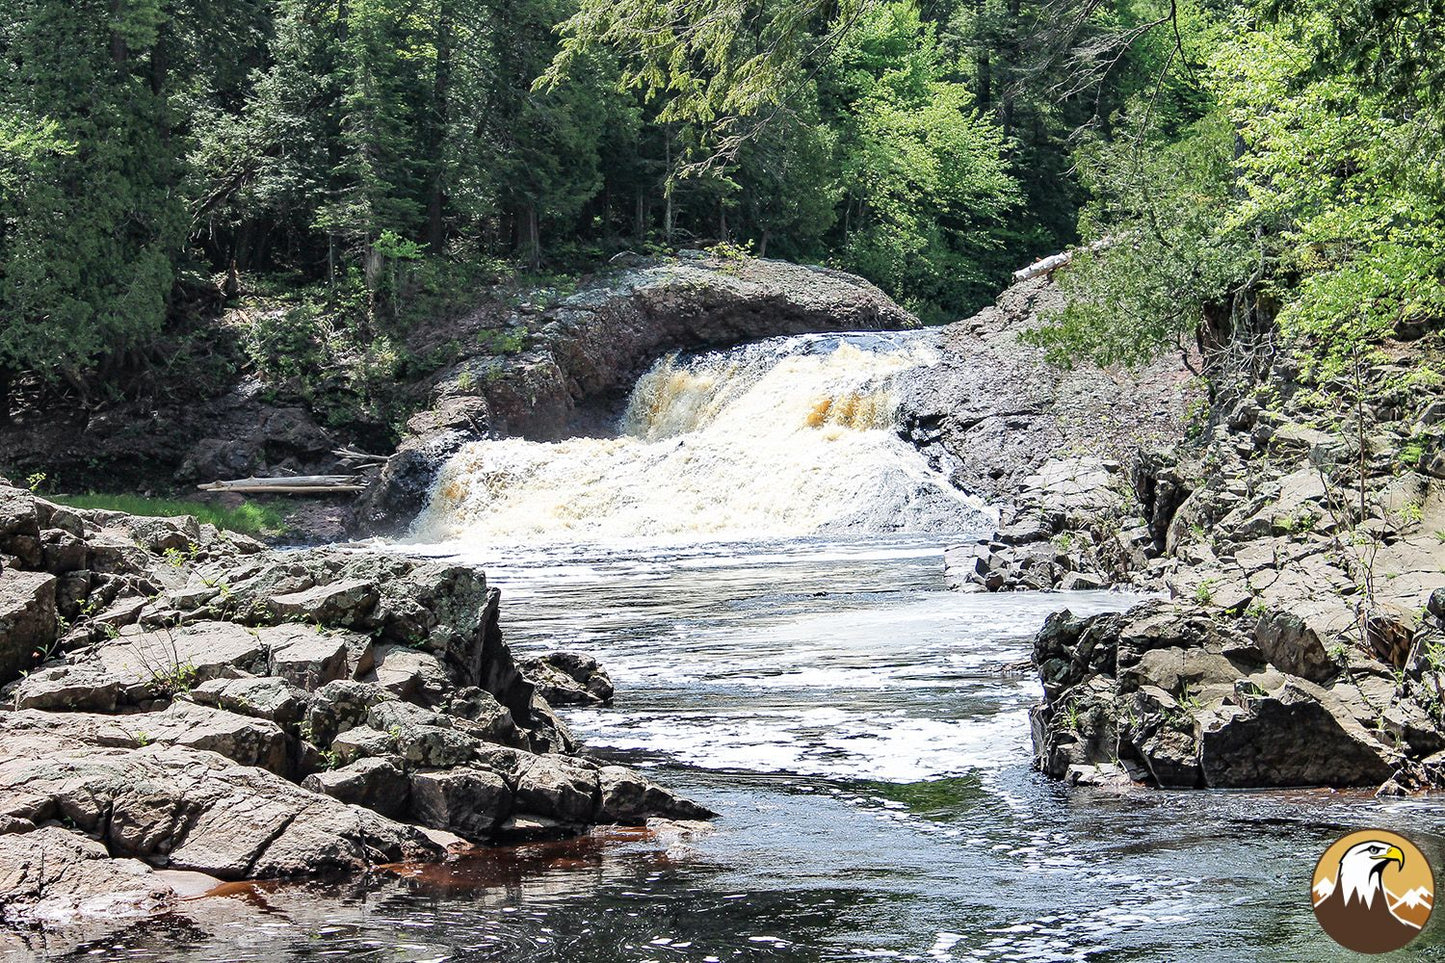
{"x": 1373, "y": 891}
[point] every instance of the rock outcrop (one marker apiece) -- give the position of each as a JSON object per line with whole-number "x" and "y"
{"x": 1297, "y": 526}
{"x": 1175, "y": 698}
{"x": 179, "y": 698}
{"x": 577, "y": 358}
{"x": 994, "y": 412}
{"x": 1070, "y": 527}
{"x": 1050, "y": 448}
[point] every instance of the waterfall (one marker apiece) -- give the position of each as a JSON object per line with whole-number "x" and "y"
{"x": 780, "y": 438}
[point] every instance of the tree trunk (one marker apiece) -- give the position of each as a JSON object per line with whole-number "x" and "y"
{"x": 118, "y": 52}
{"x": 763, "y": 243}
{"x": 6, "y": 380}
{"x": 529, "y": 241}
{"x": 667, "y": 217}
{"x": 639, "y": 216}
{"x": 436, "y": 234}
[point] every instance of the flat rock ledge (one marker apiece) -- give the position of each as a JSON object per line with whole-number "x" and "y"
{"x": 180, "y": 699}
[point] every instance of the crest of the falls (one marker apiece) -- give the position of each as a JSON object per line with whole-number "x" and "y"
{"x": 786, "y": 437}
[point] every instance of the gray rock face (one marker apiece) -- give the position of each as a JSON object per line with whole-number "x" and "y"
{"x": 69, "y": 686}
{"x": 27, "y": 618}
{"x": 629, "y": 798}
{"x": 191, "y": 809}
{"x": 1044, "y": 539}
{"x": 589, "y": 349}
{"x": 471, "y": 801}
{"x": 1186, "y": 701}
{"x": 310, "y": 658}
{"x": 347, "y": 603}
{"x": 1296, "y": 736}
{"x": 568, "y": 678}
{"x": 559, "y": 788}
{"x": 994, "y": 413}
{"x": 1295, "y": 642}
{"x": 265, "y": 698}
{"x": 339, "y": 706}
{"x": 377, "y": 783}
{"x": 52, "y": 877}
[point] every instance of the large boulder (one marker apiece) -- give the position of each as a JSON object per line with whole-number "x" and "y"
{"x": 629, "y": 797}
{"x": 52, "y": 877}
{"x": 568, "y": 678}
{"x": 377, "y": 783}
{"x": 1297, "y": 736}
{"x": 265, "y": 698}
{"x": 242, "y": 739}
{"x": 559, "y": 788}
{"x": 1183, "y": 700}
{"x": 27, "y": 619}
{"x": 471, "y": 801}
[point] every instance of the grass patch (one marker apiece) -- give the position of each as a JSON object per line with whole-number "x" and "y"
{"x": 251, "y": 518}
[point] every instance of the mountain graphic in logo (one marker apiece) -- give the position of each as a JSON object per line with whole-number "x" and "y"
{"x": 1373, "y": 891}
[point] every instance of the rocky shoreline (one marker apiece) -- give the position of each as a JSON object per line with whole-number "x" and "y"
{"x": 180, "y": 698}
{"x": 1296, "y": 528}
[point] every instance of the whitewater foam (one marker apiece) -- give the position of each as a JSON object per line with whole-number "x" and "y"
{"x": 781, "y": 438}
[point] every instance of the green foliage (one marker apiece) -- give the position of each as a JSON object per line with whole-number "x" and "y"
{"x": 510, "y": 341}
{"x": 1308, "y": 193}
{"x": 250, "y": 518}
{"x": 926, "y": 182}
{"x": 90, "y": 223}
{"x": 1168, "y": 249}
{"x": 172, "y": 680}
{"x": 1238, "y": 165}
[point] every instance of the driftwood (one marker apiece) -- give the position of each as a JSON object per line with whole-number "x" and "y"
{"x": 355, "y": 459}
{"x": 1053, "y": 262}
{"x": 293, "y": 485}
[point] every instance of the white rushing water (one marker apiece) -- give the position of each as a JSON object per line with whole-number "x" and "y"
{"x": 786, "y": 437}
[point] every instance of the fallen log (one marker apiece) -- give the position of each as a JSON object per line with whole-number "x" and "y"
{"x": 292, "y": 485}
{"x": 1053, "y": 262}
{"x": 358, "y": 459}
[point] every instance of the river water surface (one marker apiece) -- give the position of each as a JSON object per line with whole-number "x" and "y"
{"x": 863, "y": 734}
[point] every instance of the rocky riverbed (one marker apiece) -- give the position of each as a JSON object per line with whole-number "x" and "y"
{"x": 184, "y": 699}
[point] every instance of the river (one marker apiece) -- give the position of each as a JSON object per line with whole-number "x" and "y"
{"x": 757, "y": 560}
{"x": 862, "y": 733}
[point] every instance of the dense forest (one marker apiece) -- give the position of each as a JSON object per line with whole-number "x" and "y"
{"x": 1236, "y": 164}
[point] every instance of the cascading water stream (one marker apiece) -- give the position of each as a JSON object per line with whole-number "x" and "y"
{"x": 781, "y": 438}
